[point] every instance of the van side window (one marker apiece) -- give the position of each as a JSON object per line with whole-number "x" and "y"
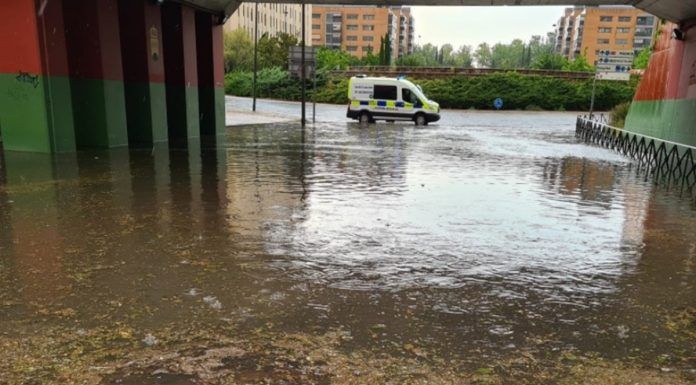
{"x": 385, "y": 92}
{"x": 408, "y": 96}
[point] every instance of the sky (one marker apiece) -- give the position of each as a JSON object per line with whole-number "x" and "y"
{"x": 474, "y": 25}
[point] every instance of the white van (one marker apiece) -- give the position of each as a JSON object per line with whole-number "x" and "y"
{"x": 389, "y": 99}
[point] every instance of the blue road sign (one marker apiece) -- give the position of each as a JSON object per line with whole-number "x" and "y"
{"x": 498, "y": 103}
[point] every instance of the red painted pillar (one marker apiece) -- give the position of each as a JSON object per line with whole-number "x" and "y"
{"x": 55, "y": 64}
{"x": 96, "y": 71}
{"x": 181, "y": 70}
{"x": 210, "y": 75}
{"x": 35, "y": 110}
{"x": 143, "y": 71}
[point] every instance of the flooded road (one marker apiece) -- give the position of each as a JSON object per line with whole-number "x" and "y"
{"x": 490, "y": 248}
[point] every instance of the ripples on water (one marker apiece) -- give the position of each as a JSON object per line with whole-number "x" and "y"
{"x": 487, "y": 226}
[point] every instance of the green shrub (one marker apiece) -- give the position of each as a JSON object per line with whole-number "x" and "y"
{"x": 518, "y": 92}
{"x": 619, "y": 114}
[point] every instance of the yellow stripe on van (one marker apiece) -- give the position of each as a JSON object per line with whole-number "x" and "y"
{"x": 408, "y": 106}
{"x": 391, "y": 103}
{"x": 355, "y": 103}
{"x": 373, "y": 103}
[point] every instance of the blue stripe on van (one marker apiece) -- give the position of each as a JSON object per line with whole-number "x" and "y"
{"x": 381, "y": 103}
{"x": 400, "y": 104}
{"x": 364, "y": 103}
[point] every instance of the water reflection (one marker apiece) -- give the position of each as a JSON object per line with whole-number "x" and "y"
{"x": 442, "y": 236}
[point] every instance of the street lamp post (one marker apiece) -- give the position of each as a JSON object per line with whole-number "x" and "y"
{"x": 256, "y": 52}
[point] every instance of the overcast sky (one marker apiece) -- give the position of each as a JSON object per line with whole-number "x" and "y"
{"x": 474, "y": 25}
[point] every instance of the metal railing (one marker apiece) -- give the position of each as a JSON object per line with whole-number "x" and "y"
{"x": 669, "y": 163}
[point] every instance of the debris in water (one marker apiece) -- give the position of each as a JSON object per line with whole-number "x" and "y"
{"x": 213, "y": 302}
{"x": 622, "y": 331}
{"x": 193, "y": 292}
{"x": 150, "y": 340}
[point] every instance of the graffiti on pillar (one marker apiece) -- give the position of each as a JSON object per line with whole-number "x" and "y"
{"x": 154, "y": 44}
{"x": 25, "y": 77}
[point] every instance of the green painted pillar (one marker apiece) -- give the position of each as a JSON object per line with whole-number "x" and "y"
{"x": 143, "y": 72}
{"x": 35, "y": 103}
{"x": 181, "y": 73}
{"x": 96, "y": 73}
{"x": 211, "y": 75}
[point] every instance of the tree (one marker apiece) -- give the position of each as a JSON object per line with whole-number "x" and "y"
{"x": 273, "y": 51}
{"x": 385, "y": 50}
{"x": 579, "y": 64}
{"x": 483, "y": 56}
{"x": 550, "y": 61}
{"x": 333, "y": 59}
{"x": 238, "y": 51}
{"x": 641, "y": 61}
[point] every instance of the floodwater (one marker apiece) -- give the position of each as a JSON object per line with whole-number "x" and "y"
{"x": 489, "y": 248}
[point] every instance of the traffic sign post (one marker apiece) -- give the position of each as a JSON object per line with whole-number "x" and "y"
{"x": 611, "y": 65}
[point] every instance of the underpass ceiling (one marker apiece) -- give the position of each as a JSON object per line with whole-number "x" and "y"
{"x": 672, "y": 10}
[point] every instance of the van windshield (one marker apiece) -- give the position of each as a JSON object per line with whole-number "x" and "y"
{"x": 416, "y": 90}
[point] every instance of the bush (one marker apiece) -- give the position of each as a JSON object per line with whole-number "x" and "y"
{"x": 619, "y": 114}
{"x": 518, "y": 92}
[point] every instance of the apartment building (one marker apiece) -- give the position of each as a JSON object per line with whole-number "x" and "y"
{"x": 274, "y": 18}
{"x": 358, "y": 30}
{"x": 405, "y": 30}
{"x": 591, "y": 30}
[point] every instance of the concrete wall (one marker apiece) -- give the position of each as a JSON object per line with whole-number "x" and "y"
{"x": 665, "y": 103}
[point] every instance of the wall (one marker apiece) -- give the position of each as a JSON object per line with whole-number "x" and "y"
{"x": 665, "y": 103}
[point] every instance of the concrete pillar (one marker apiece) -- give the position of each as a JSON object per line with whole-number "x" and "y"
{"x": 35, "y": 103}
{"x": 143, "y": 71}
{"x": 211, "y": 75}
{"x": 181, "y": 69}
{"x": 96, "y": 72}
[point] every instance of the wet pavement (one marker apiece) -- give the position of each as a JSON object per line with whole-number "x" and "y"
{"x": 490, "y": 248}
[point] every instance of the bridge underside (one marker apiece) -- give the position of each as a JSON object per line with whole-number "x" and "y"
{"x": 672, "y": 10}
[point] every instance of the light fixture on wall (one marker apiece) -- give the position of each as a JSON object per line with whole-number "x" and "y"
{"x": 678, "y": 34}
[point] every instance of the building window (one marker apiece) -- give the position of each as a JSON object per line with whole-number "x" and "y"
{"x": 645, "y": 20}
{"x": 368, "y": 38}
{"x": 352, "y": 16}
{"x": 384, "y": 92}
{"x": 368, "y": 27}
{"x": 603, "y": 41}
{"x": 368, "y": 17}
{"x": 605, "y": 19}
{"x": 352, "y": 27}
{"x": 621, "y": 42}
{"x": 625, "y": 19}
{"x": 352, "y": 38}
{"x": 623, "y": 30}
{"x": 604, "y": 30}
{"x": 316, "y": 16}
{"x": 316, "y": 26}
{"x": 351, "y": 48}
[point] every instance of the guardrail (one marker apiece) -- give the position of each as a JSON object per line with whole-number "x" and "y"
{"x": 434, "y": 72}
{"x": 669, "y": 163}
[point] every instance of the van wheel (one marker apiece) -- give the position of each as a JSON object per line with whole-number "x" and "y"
{"x": 420, "y": 120}
{"x": 365, "y": 118}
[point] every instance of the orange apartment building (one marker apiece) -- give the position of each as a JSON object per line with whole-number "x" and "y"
{"x": 590, "y": 30}
{"x": 358, "y": 30}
